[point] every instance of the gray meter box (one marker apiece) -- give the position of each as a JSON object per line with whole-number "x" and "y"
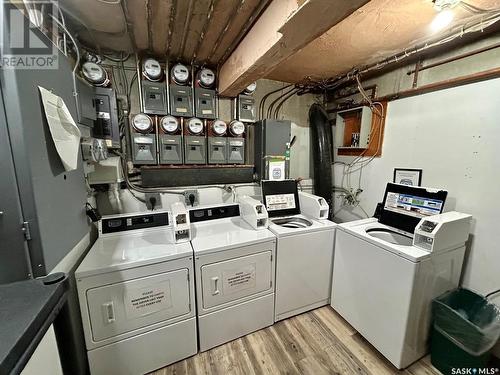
{"x": 181, "y": 101}
{"x": 154, "y": 98}
{"x": 171, "y": 150}
{"x": 195, "y": 149}
{"x": 217, "y": 150}
{"x": 246, "y": 108}
{"x": 271, "y": 138}
{"x": 236, "y": 150}
{"x": 143, "y": 148}
{"x": 205, "y": 103}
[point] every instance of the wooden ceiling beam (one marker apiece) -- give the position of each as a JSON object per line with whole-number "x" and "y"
{"x": 284, "y": 28}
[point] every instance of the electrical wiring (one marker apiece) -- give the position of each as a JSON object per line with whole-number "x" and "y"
{"x": 278, "y": 107}
{"x": 271, "y": 106}
{"x": 262, "y": 102}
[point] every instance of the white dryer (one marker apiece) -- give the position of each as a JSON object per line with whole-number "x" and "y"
{"x": 304, "y": 251}
{"x": 383, "y": 285}
{"x": 235, "y": 271}
{"x": 136, "y": 292}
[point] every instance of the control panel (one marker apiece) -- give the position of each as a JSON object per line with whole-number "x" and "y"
{"x": 121, "y": 223}
{"x": 213, "y": 213}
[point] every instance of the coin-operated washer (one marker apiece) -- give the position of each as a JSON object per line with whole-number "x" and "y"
{"x": 154, "y": 97}
{"x": 217, "y": 142}
{"x": 236, "y": 143}
{"x": 235, "y": 269}
{"x": 304, "y": 251}
{"x": 181, "y": 92}
{"x": 195, "y": 142}
{"x": 205, "y": 94}
{"x": 387, "y": 271}
{"x": 143, "y": 139}
{"x": 170, "y": 140}
{"x": 137, "y": 298}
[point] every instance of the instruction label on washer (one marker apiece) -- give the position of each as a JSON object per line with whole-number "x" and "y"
{"x": 148, "y": 300}
{"x": 238, "y": 279}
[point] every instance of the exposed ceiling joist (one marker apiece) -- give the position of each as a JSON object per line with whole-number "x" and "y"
{"x": 283, "y": 29}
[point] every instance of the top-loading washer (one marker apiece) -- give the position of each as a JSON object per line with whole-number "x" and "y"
{"x": 235, "y": 273}
{"x": 383, "y": 281}
{"x": 304, "y": 251}
{"x": 136, "y": 292}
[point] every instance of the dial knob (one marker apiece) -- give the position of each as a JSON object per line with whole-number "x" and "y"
{"x": 142, "y": 123}
{"x": 152, "y": 69}
{"x": 219, "y": 127}
{"x": 94, "y": 73}
{"x": 195, "y": 126}
{"x": 180, "y": 74}
{"x": 206, "y": 78}
{"x": 169, "y": 124}
{"x": 237, "y": 128}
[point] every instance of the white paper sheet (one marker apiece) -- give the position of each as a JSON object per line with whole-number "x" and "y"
{"x": 63, "y": 129}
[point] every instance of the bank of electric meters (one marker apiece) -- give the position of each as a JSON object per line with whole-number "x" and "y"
{"x": 174, "y": 140}
{"x": 176, "y": 92}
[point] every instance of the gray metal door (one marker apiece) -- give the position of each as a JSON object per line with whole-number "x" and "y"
{"x": 14, "y": 263}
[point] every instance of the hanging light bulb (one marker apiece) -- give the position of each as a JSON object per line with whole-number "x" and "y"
{"x": 442, "y": 19}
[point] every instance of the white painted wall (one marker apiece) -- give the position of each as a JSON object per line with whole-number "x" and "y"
{"x": 453, "y": 135}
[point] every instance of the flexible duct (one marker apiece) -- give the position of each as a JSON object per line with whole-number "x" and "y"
{"x": 321, "y": 144}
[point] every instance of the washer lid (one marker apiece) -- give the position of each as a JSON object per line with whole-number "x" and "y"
{"x": 132, "y": 250}
{"x": 152, "y": 69}
{"x": 223, "y": 234}
{"x": 359, "y": 229}
{"x": 94, "y": 73}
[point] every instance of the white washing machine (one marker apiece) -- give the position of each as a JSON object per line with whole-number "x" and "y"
{"x": 304, "y": 251}
{"x": 384, "y": 277}
{"x": 235, "y": 271}
{"x": 136, "y": 292}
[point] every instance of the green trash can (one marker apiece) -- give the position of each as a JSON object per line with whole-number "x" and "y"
{"x": 465, "y": 328}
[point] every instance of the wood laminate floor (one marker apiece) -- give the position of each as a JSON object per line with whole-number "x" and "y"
{"x": 317, "y": 342}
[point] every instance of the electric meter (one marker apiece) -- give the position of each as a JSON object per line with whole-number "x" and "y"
{"x": 237, "y": 128}
{"x": 142, "y": 123}
{"x": 169, "y": 124}
{"x": 250, "y": 89}
{"x": 206, "y": 78}
{"x": 95, "y": 74}
{"x": 180, "y": 74}
{"x": 195, "y": 126}
{"x": 219, "y": 127}
{"x": 152, "y": 69}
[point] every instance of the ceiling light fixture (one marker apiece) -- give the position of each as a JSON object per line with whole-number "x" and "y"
{"x": 445, "y": 15}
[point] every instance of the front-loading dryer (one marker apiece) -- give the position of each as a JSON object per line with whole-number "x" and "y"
{"x": 235, "y": 273}
{"x": 136, "y": 292}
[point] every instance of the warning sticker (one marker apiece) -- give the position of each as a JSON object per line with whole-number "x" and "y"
{"x": 148, "y": 300}
{"x": 238, "y": 279}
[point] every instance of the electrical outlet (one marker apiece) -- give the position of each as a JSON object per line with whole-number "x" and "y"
{"x": 191, "y": 198}
{"x": 153, "y": 201}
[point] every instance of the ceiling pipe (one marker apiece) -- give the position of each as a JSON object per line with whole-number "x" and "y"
{"x": 228, "y": 24}
{"x": 187, "y": 23}
{"x": 171, "y": 23}
{"x": 250, "y": 22}
{"x": 204, "y": 30}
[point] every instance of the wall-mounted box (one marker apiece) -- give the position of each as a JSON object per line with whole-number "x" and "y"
{"x": 353, "y": 127}
{"x": 143, "y": 148}
{"x": 246, "y": 108}
{"x": 205, "y": 103}
{"x": 181, "y": 101}
{"x": 171, "y": 149}
{"x": 154, "y": 98}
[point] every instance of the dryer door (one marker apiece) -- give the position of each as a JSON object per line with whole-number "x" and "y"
{"x": 129, "y": 305}
{"x": 230, "y": 280}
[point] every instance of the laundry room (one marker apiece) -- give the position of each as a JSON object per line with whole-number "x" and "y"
{"x": 249, "y": 187}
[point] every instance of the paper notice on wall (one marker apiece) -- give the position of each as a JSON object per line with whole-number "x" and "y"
{"x": 277, "y": 170}
{"x": 238, "y": 279}
{"x": 148, "y": 300}
{"x": 63, "y": 129}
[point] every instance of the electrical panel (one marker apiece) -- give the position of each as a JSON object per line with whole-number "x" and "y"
{"x": 181, "y": 100}
{"x": 271, "y": 140}
{"x": 205, "y": 103}
{"x": 106, "y": 125}
{"x": 246, "y": 108}
{"x": 217, "y": 150}
{"x": 154, "y": 98}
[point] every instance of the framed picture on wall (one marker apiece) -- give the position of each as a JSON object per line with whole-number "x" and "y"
{"x": 411, "y": 177}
